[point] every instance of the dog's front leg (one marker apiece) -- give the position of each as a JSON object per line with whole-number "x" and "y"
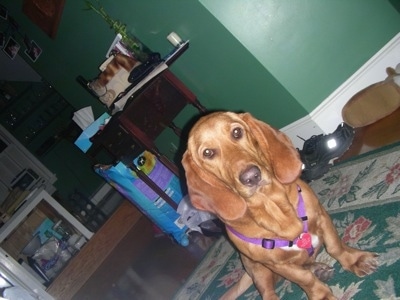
{"x": 311, "y": 285}
{"x": 262, "y": 277}
{"x": 266, "y": 277}
{"x": 359, "y": 262}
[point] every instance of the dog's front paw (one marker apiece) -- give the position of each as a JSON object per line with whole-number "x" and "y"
{"x": 320, "y": 291}
{"x": 366, "y": 264}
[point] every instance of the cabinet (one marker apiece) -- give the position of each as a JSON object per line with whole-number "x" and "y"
{"x": 33, "y": 201}
{"x": 15, "y": 160}
{"x": 34, "y": 112}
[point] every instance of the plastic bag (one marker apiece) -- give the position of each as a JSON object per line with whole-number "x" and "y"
{"x": 124, "y": 180}
{"x": 191, "y": 216}
{"x": 52, "y": 256}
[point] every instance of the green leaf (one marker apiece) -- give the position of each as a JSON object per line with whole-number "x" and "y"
{"x": 354, "y": 189}
{"x": 342, "y": 200}
{"x": 324, "y": 192}
{"x": 373, "y": 189}
{"x": 396, "y": 189}
{"x": 382, "y": 190}
{"x": 330, "y": 180}
{"x": 362, "y": 174}
{"x": 331, "y": 201}
{"x": 350, "y": 197}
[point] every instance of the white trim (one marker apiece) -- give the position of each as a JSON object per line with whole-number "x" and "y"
{"x": 33, "y": 199}
{"x": 18, "y": 276}
{"x": 301, "y": 130}
{"x": 328, "y": 115}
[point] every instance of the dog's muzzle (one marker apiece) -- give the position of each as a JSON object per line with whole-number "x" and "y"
{"x": 251, "y": 176}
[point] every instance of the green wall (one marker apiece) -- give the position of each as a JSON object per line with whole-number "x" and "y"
{"x": 311, "y": 46}
{"x": 275, "y": 59}
{"x": 217, "y": 68}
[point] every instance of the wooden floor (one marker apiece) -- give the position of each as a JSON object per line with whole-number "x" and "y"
{"x": 163, "y": 266}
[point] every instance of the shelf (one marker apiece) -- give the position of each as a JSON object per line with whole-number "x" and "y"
{"x": 36, "y": 113}
{"x": 31, "y": 201}
{"x": 9, "y": 262}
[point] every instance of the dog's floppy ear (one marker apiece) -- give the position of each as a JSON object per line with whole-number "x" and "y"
{"x": 208, "y": 193}
{"x": 284, "y": 157}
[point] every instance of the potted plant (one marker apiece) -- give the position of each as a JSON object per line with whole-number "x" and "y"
{"x": 131, "y": 42}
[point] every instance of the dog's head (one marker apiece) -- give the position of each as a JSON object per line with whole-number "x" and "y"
{"x": 231, "y": 158}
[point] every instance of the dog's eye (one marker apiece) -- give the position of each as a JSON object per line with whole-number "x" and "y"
{"x": 237, "y": 133}
{"x": 208, "y": 153}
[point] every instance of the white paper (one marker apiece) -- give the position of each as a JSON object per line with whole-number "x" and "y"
{"x": 84, "y": 117}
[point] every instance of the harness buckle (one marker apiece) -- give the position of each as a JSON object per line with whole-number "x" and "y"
{"x": 268, "y": 244}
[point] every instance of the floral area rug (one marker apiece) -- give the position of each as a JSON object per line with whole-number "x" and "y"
{"x": 368, "y": 180}
{"x": 363, "y": 199}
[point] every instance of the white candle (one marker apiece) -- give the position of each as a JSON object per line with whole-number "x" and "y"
{"x": 174, "y": 39}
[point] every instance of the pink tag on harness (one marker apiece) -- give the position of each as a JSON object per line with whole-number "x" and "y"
{"x": 304, "y": 241}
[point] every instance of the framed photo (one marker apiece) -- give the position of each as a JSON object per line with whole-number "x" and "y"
{"x": 46, "y": 14}
{"x": 34, "y": 51}
{"x": 3, "y": 12}
{"x": 27, "y": 42}
{"x": 11, "y": 48}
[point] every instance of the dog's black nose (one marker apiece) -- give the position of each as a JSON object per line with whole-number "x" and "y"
{"x": 251, "y": 176}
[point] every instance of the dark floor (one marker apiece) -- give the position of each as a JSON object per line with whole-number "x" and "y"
{"x": 151, "y": 272}
{"x": 163, "y": 266}
{"x": 161, "y": 269}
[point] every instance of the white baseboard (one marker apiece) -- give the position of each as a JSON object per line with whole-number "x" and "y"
{"x": 328, "y": 115}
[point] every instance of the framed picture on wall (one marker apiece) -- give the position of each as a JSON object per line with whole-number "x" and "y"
{"x": 11, "y": 48}
{"x": 27, "y": 42}
{"x": 34, "y": 51}
{"x": 46, "y": 14}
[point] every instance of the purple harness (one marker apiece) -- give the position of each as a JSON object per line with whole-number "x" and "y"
{"x": 303, "y": 241}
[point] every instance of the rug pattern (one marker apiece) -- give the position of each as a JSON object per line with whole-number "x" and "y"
{"x": 370, "y": 180}
{"x": 362, "y": 197}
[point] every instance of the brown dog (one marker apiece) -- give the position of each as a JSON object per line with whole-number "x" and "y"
{"x": 247, "y": 173}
